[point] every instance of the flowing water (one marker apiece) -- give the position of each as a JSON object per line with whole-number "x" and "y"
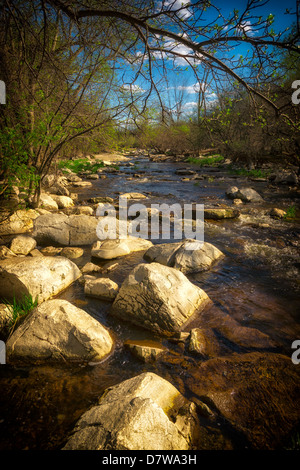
{"x": 252, "y": 322}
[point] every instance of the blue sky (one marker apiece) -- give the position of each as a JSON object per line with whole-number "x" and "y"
{"x": 183, "y": 80}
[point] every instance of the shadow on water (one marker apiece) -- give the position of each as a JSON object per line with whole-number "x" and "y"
{"x": 254, "y": 291}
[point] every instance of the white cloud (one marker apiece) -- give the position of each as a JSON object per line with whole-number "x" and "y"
{"x": 191, "y": 89}
{"x": 190, "y": 104}
{"x": 175, "y": 5}
{"x": 245, "y": 28}
{"x": 133, "y": 88}
{"x": 171, "y": 48}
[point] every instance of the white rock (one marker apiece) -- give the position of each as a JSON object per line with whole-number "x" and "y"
{"x": 22, "y": 245}
{"x": 136, "y": 415}
{"x": 65, "y": 230}
{"x": 20, "y": 221}
{"x": 63, "y": 202}
{"x": 72, "y": 252}
{"x": 158, "y": 298}
{"x": 109, "y": 249}
{"x": 59, "y": 331}
{"x": 91, "y": 268}
{"x": 187, "y": 256}
{"x": 248, "y": 195}
{"x": 42, "y": 280}
{"x": 47, "y": 202}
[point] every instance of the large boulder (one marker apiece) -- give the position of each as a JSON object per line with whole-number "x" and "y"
{"x": 65, "y": 230}
{"x": 58, "y": 331}
{"x": 109, "y": 249}
{"x": 51, "y": 228}
{"x": 187, "y": 256}
{"x": 136, "y": 415}
{"x": 20, "y": 221}
{"x": 28, "y": 275}
{"x": 82, "y": 230}
{"x": 158, "y": 298}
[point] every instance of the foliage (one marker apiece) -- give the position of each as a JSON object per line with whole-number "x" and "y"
{"x": 290, "y": 213}
{"x": 79, "y": 165}
{"x": 259, "y": 173}
{"x": 20, "y": 308}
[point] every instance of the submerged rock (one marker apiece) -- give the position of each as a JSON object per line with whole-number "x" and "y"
{"x": 136, "y": 415}
{"x": 58, "y": 331}
{"x": 187, "y": 256}
{"x": 200, "y": 342}
{"x": 146, "y": 352}
{"x": 257, "y": 393}
{"x": 42, "y": 280}
{"x": 158, "y": 298}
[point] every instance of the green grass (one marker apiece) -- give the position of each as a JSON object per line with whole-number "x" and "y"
{"x": 251, "y": 173}
{"x": 81, "y": 164}
{"x": 20, "y": 308}
{"x": 212, "y": 160}
{"x": 291, "y": 212}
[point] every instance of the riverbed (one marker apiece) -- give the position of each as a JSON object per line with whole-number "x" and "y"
{"x": 249, "y": 380}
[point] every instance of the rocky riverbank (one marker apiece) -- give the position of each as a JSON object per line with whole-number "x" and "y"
{"x": 204, "y": 377}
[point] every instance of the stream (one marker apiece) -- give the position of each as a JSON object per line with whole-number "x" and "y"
{"x": 254, "y": 288}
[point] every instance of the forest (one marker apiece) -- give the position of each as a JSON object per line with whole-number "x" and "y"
{"x": 167, "y": 75}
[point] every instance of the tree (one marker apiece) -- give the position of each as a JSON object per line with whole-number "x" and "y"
{"x": 67, "y": 63}
{"x": 180, "y": 30}
{"x": 58, "y": 83}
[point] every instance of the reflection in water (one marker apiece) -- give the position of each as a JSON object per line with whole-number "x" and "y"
{"x": 255, "y": 308}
